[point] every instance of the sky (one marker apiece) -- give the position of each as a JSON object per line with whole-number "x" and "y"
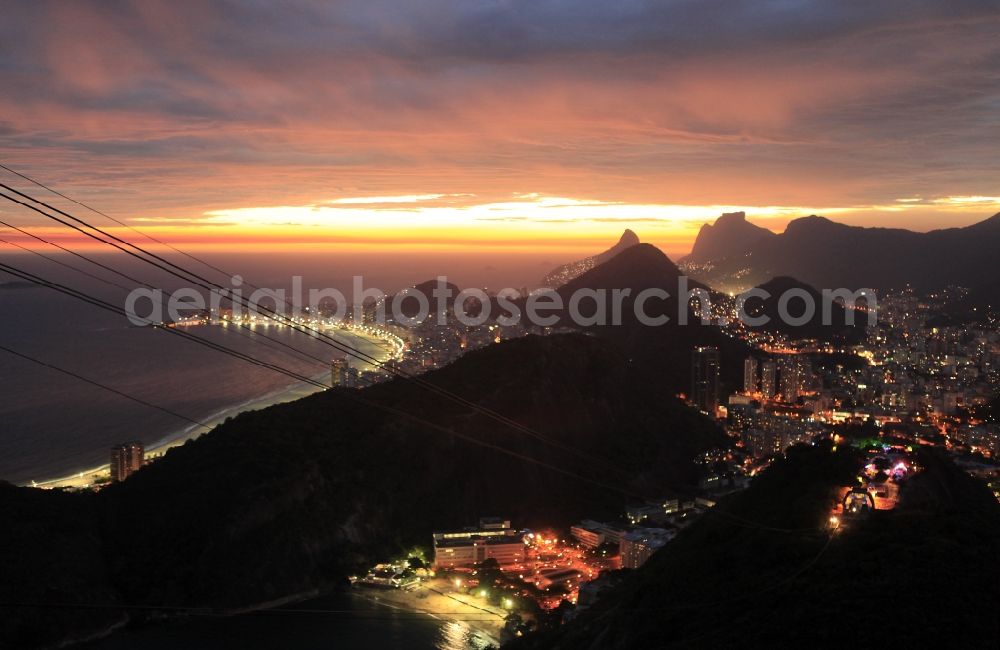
{"x": 541, "y": 125}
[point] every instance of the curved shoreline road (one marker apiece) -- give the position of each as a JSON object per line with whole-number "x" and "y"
{"x": 84, "y": 478}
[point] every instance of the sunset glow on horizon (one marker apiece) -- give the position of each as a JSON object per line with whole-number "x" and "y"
{"x": 498, "y": 126}
{"x": 440, "y": 222}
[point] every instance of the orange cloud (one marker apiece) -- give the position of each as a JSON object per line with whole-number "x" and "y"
{"x": 165, "y": 117}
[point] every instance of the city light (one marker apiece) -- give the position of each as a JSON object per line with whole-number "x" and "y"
{"x": 716, "y": 435}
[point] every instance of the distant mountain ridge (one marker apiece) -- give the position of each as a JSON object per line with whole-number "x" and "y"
{"x": 827, "y": 254}
{"x": 731, "y": 234}
{"x": 563, "y": 274}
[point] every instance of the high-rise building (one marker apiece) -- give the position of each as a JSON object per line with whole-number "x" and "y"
{"x": 750, "y": 383}
{"x": 794, "y": 373}
{"x": 769, "y": 379}
{"x": 339, "y": 371}
{"x": 761, "y": 443}
{"x": 741, "y": 416}
{"x": 705, "y": 379}
{"x": 789, "y": 381}
{"x": 638, "y": 545}
{"x": 126, "y": 459}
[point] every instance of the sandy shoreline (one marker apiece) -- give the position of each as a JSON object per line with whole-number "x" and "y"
{"x": 85, "y": 477}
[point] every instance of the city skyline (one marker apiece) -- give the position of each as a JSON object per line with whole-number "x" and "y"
{"x": 499, "y": 324}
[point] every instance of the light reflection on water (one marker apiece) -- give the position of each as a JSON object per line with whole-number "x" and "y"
{"x": 455, "y": 635}
{"x": 343, "y": 621}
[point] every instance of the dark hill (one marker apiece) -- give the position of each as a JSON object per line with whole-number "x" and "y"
{"x": 990, "y": 412}
{"x": 640, "y": 266}
{"x": 731, "y": 234}
{"x": 751, "y": 574}
{"x": 663, "y": 350}
{"x": 409, "y": 305}
{"x": 298, "y": 496}
{"x": 835, "y": 325}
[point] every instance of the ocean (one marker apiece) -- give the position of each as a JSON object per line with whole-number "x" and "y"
{"x": 52, "y": 425}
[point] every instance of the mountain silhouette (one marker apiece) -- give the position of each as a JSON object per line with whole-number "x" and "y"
{"x": 731, "y": 234}
{"x": 640, "y": 268}
{"x": 563, "y": 274}
{"x": 838, "y": 327}
{"x": 827, "y": 254}
{"x": 409, "y": 304}
{"x": 663, "y": 349}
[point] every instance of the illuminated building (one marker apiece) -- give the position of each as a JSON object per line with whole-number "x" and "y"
{"x": 588, "y": 533}
{"x": 494, "y": 539}
{"x": 741, "y": 416}
{"x": 454, "y": 553}
{"x": 654, "y": 511}
{"x": 750, "y": 372}
{"x": 705, "y": 379}
{"x": 769, "y": 379}
{"x": 340, "y": 372}
{"x": 773, "y": 433}
{"x": 126, "y": 459}
{"x": 794, "y": 373}
{"x": 759, "y": 443}
{"x": 638, "y": 545}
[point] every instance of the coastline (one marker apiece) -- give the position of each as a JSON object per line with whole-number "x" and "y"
{"x": 484, "y": 622}
{"x": 468, "y": 626}
{"x": 88, "y": 476}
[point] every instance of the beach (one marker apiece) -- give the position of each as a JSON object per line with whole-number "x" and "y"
{"x": 471, "y": 616}
{"x": 351, "y": 619}
{"x": 85, "y": 477}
